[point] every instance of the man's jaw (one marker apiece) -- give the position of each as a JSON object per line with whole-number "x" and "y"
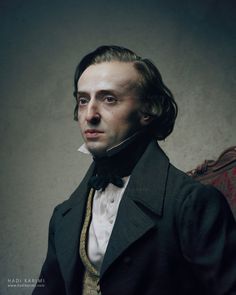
{"x": 123, "y": 144}
{"x": 99, "y": 151}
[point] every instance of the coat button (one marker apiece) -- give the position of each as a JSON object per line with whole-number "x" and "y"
{"x": 127, "y": 259}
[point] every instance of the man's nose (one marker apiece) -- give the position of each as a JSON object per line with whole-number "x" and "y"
{"x": 93, "y": 114}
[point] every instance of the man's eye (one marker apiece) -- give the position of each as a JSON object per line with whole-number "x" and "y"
{"x": 82, "y": 101}
{"x": 110, "y": 99}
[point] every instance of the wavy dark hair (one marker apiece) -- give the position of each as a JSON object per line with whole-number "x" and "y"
{"x": 158, "y": 101}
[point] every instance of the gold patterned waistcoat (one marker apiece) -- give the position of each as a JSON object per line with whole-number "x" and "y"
{"x": 91, "y": 275}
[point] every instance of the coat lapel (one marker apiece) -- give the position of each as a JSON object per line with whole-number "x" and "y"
{"x": 69, "y": 227}
{"x": 146, "y": 187}
{"x": 131, "y": 224}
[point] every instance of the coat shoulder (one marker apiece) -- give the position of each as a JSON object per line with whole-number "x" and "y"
{"x": 185, "y": 190}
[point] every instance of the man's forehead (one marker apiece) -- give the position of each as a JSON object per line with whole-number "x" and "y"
{"x": 109, "y": 74}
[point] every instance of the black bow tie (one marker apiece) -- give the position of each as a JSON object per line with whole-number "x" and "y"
{"x": 101, "y": 182}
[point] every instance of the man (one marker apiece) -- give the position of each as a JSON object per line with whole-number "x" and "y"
{"x": 136, "y": 224}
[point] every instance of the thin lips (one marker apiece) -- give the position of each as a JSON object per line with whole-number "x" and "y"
{"x": 92, "y": 131}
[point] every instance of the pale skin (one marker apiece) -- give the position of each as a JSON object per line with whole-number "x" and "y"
{"x": 110, "y": 109}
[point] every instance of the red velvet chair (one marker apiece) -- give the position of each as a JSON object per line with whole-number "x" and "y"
{"x": 221, "y": 174}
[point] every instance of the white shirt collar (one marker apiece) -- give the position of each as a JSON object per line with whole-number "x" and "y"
{"x": 83, "y": 149}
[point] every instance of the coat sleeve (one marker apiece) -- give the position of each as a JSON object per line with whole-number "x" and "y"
{"x": 50, "y": 281}
{"x": 207, "y": 233}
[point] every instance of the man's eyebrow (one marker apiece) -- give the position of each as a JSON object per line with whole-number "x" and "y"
{"x": 100, "y": 92}
{"x": 82, "y": 93}
{"x": 108, "y": 91}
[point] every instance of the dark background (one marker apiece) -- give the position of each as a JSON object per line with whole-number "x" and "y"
{"x": 191, "y": 42}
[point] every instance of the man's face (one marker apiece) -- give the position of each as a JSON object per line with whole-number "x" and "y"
{"x": 109, "y": 106}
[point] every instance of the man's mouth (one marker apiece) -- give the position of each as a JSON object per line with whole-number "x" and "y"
{"x": 92, "y": 133}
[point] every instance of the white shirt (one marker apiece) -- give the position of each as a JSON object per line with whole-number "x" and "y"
{"x": 105, "y": 208}
{"x": 104, "y": 212}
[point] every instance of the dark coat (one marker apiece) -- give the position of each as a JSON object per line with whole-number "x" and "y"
{"x": 172, "y": 236}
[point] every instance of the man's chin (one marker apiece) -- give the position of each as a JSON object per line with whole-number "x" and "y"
{"x": 96, "y": 150}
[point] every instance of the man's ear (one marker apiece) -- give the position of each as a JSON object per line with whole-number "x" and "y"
{"x": 146, "y": 119}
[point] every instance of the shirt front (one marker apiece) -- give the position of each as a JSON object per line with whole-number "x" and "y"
{"x": 104, "y": 211}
